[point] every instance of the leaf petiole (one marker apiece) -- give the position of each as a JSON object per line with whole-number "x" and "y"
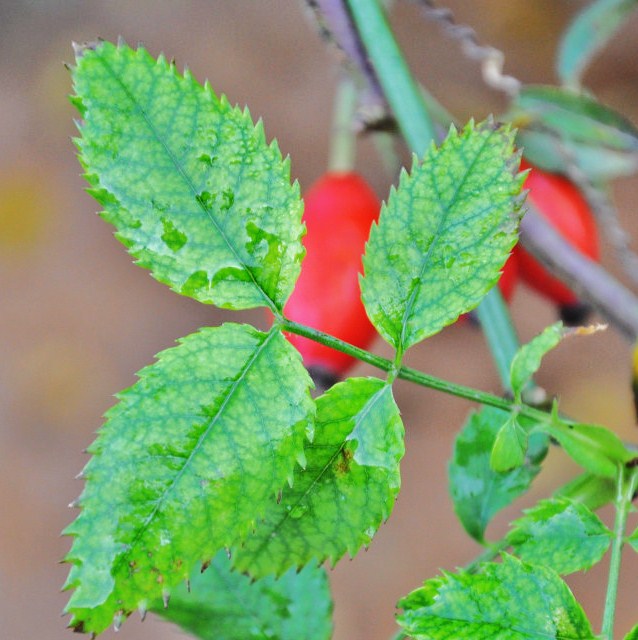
{"x": 413, "y": 375}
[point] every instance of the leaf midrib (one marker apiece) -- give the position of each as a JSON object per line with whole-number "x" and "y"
{"x": 227, "y": 395}
{"x": 182, "y": 172}
{"x": 414, "y": 285}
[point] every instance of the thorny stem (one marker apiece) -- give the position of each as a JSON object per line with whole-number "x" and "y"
{"x": 626, "y": 486}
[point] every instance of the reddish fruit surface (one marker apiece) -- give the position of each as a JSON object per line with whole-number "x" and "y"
{"x": 339, "y": 210}
{"x": 509, "y": 277}
{"x": 561, "y": 204}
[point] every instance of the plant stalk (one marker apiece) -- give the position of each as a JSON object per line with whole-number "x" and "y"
{"x": 342, "y": 139}
{"x": 413, "y": 375}
{"x": 627, "y": 481}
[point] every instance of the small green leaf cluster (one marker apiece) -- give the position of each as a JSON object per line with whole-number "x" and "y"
{"x": 219, "y": 447}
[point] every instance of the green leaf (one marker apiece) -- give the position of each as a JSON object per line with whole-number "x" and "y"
{"x": 443, "y": 236}
{"x": 224, "y": 605}
{"x": 546, "y": 151}
{"x": 187, "y": 461}
{"x": 528, "y": 358}
{"x": 633, "y": 540}
{"x": 594, "y": 448}
{"x": 509, "y": 447}
{"x": 346, "y": 490}
{"x": 587, "y": 34}
{"x": 561, "y": 534}
{"x": 592, "y": 490}
{"x": 195, "y": 192}
{"x": 479, "y": 492}
{"x": 633, "y": 634}
{"x": 563, "y": 124}
{"x": 508, "y": 601}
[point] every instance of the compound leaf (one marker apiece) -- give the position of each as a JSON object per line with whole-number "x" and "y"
{"x": 478, "y": 491}
{"x": 505, "y": 601}
{"x": 587, "y": 34}
{"x": 443, "y": 236}
{"x": 185, "y": 464}
{"x": 195, "y": 192}
{"x": 221, "y": 604}
{"x": 561, "y": 534}
{"x": 347, "y": 488}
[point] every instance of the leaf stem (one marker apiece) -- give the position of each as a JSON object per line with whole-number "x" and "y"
{"x": 487, "y": 555}
{"x": 626, "y": 486}
{"x": 413, "y": 375}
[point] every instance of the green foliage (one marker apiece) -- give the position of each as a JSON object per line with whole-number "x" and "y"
{"x": 633, "y": 634}
{"x": 509, "y": 447}
{"x": 348, "y": 485}
{"x": 587, "y": 34}
{"x": 561, "y": 534}
{"x": 527, "y": 360}
{"x": 186, "y": 462}
{"x": 221, "y": 604}
{"x": 217, "y": 445}
{"x": 595, "y": 448}
{"x": 478, "y": 491}
{"x": 195, "y": 192}
{"x": 511, "y": 600}
{"x": 556, "y": 123}
{"x": 633, "y": 540}
{"x": 443, "y": 235}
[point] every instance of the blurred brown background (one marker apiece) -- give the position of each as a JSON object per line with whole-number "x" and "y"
{"x": 77, "y": 319}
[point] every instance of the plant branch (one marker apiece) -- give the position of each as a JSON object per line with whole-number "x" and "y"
{"x": 413, "y": 375}
{"x": 587, "y": 278}
{"x": 627, "y": 481}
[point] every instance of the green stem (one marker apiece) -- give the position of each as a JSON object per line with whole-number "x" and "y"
{"x": 499, "y": 333}
{"x": 413, "y": 375}
{"x": 406, "y": 100}
{"x": 625, "y": 492}
{"x": 401, "y": 91}
{"x": 487, "y": 555}
{"x": 342, "y": 141}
